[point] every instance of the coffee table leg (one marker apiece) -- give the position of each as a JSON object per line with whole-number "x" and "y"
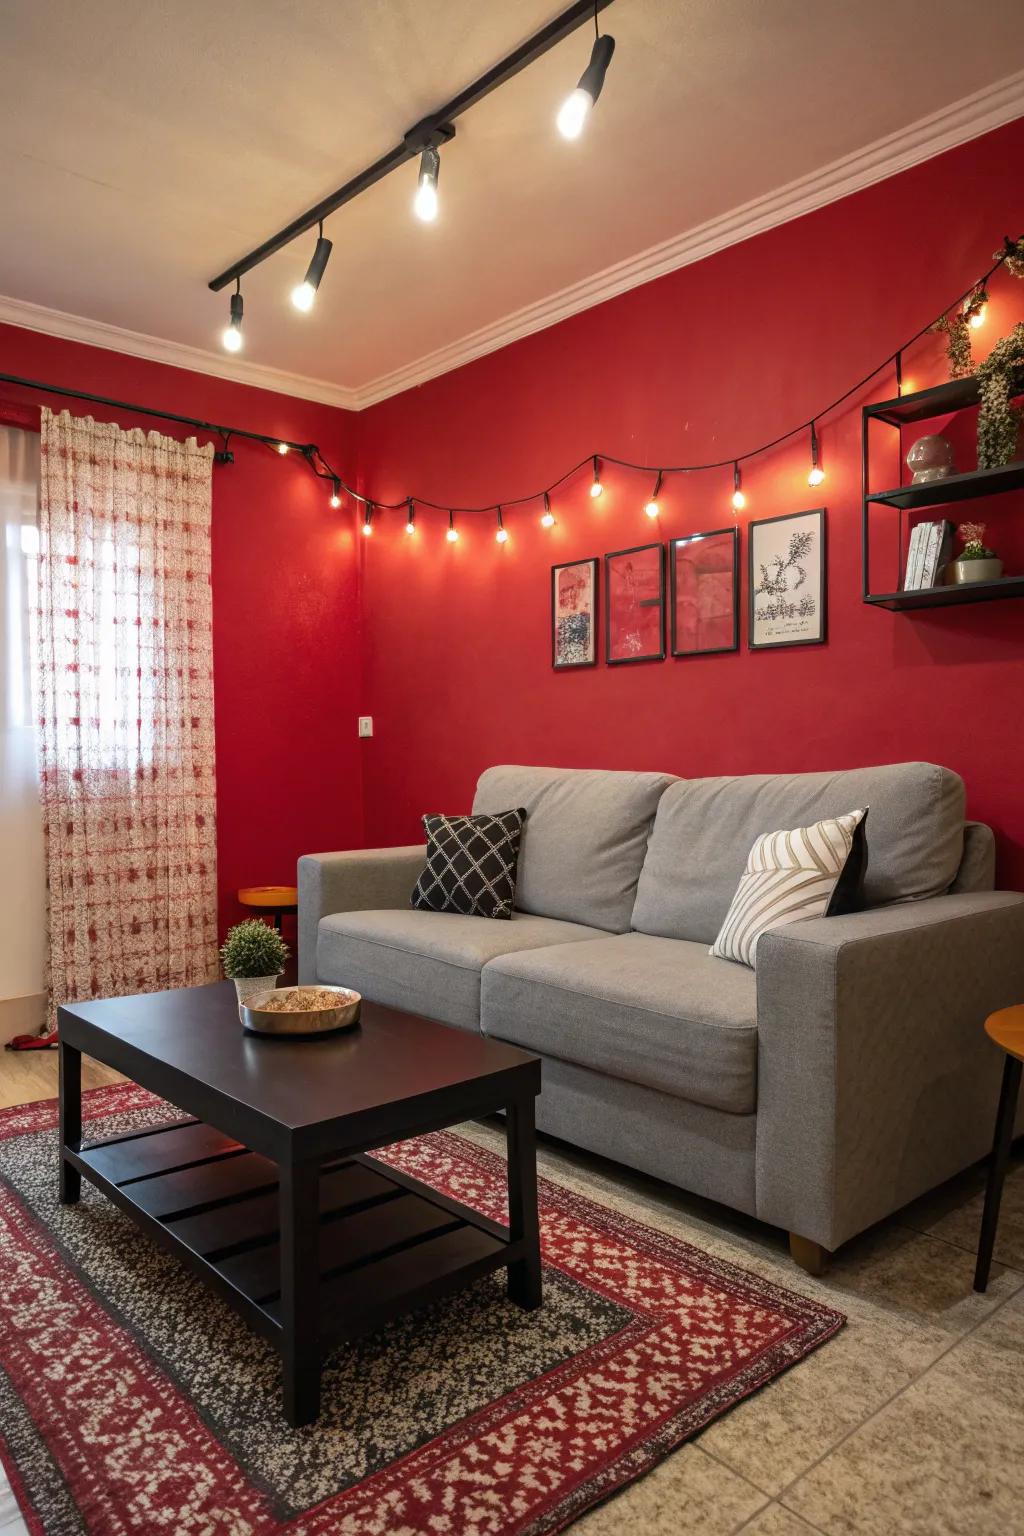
{"x": 299, "y": 1195}
{"x": 1005, "y": 1118}
{"x": 70, "y": 1071}
{"x": 524, "y": 1276}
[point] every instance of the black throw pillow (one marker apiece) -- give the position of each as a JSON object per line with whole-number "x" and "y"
{"x": 471, "y": 864}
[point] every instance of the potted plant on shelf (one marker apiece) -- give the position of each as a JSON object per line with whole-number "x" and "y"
{"x": 976, "y": 562}
{"x": 253, "y": 957}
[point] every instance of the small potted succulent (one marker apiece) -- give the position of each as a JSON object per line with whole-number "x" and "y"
{"x": 253, "y": 957}
{"x": 976, "y": 562}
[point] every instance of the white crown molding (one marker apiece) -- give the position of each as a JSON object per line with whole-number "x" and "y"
{"x": 174, "y": 354}
{"x": 966, "y": 119}
{"x": 955, "y": 124}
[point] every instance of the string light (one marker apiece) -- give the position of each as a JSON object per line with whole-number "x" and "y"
{"x": 739, "y": 501}
{"x": 502, "y": 533}
{"x": 975, "y": 306}
{"x": 597, "y": 489}
{"x": 304, "y": 293}
{"x": 899, "y": 374}
{"x": 548, "y": 519}
{"x": 368, "y": 520}
{"x": 579, "y": 104}
{"x": 410, "y": 521}
{"x": 231, "y": 336}
{"x": 336, "y": 493}
{"x": 282, "y": 448}
{"x": 453, "y": 533}
{"x": 652, "y": 508}
{"x": 425, "y": 201}
{"x": 816, "y": 474}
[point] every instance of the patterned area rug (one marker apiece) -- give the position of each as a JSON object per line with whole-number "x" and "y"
{"x": 133, "y": 1400}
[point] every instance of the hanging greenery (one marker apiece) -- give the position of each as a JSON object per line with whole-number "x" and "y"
{"x": 1012, "y": 256}
{"x": 1000, "y": 377}
{"x": 958, "y": 343}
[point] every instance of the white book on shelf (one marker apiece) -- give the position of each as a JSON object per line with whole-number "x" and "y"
{"x": 915, "y": 555}
{"x": 930, "y": 562}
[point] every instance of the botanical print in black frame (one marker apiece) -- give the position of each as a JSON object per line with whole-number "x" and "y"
{"x": 574, "y": 614}
{"x": 634, "y": 597}
{"x": 704, "y": 572}
{"x": 787, "y": 580}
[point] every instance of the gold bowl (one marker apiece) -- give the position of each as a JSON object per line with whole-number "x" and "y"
{"x": 327, "y": 1020}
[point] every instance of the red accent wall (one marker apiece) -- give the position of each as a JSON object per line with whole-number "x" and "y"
{"x": 701, "y": 364}
{"x": 285, "y": 607}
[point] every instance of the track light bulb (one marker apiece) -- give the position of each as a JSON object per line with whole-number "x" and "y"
{"x": 231, "y": 336}
{"x": 579, "y": 104}
{"x": 425, "y": 201}
{"x": 304, "y": 293}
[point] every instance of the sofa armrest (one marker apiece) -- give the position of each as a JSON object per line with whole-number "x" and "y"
{"x": 875, "y": 1078}
{"x": 361, "y": 880}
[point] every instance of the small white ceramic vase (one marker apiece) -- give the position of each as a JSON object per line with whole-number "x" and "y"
{"x": 248, "y": 987}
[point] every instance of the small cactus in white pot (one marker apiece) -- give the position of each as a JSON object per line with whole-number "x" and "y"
{"x": 253, "y": 957}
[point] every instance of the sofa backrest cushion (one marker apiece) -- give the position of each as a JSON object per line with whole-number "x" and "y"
{"x": 705, "y": 828}
{"x": 584, "y": 840}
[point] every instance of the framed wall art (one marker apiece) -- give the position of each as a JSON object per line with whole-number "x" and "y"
{"x": 787, "y": 580}
{"x": 704, "y": 587}
{"x": 574, "y": 614}
{"x": 634, "y": 618}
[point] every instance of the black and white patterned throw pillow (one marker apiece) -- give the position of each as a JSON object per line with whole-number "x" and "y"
{"x": 471, "y": 864}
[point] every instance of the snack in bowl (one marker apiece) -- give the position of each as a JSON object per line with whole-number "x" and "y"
{"x": 303, "y": 1010}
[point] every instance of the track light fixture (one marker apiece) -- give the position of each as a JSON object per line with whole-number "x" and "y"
{"x": 652, "y": 508}
{"x": 410, "y": 517}
{"x": 596, "y": 488}
{"x": 548, "y": 519}
{"x": 502, "y": 533}
{"x": 816, "y": 474}
{"x": 336, "y": 494}
{"x": 231, "y": 336}
{"x": 739, "y": 501}
{"x": 453, "y": 533}
{"x": 304, "y": 294}
{"x": 577, "y": 107}
{"x": 425, "y": 201}
{"x": 368, "y": 519}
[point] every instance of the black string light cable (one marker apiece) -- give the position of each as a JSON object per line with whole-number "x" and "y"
{"x": 314, "y": 458}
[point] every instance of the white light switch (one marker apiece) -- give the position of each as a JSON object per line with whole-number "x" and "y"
{"x": 366, "y": 725}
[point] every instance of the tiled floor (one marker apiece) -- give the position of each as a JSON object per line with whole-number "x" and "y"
{"x": 911, "y": 1420}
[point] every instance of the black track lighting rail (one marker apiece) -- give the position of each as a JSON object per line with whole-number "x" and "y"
{"x": 432, "y": 131}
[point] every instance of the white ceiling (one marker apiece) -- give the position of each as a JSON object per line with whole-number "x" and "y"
{"x": 147, "y": 146}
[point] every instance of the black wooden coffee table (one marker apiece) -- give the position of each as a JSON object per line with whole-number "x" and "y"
{"x": 265, "y": 1188}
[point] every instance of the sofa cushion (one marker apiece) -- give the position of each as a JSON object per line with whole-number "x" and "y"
{"x": 427, "y": 962}
{"x": 584, "y": 841}
{"x": 704, "y": 830}
{"x": 471, "y": 865}
{"x": 658, "y": 1012}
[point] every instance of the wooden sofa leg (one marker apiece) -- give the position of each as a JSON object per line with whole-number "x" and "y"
{"x": 810, "y": 1256}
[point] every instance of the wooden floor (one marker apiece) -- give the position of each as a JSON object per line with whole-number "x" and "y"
{"x": 29, "y": 1075}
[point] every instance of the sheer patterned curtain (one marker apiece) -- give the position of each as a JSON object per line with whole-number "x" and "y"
{"x": 23, "y": 893}
{"x": 124, "y": 678}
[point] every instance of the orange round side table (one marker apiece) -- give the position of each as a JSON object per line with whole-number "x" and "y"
{"x": 275, "y": 900}
{"x": 1006, "y": 1029}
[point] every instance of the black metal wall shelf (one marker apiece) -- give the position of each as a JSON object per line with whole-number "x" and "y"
{"x": 923, "y": 405}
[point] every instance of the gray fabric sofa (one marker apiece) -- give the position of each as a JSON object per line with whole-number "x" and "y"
{"x": 846, "y": 1076}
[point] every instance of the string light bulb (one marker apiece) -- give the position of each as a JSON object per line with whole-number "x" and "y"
{"x": 282, "y": 449}
{"x": 975, "y": 306}
{"x": 410, "y": 521}
{"x": 502, "y": 534}
{"x": 304, "y": 293}
{"x": 548, "y": 519}
{"x": 596, "y": 489}
{"x": 425, "y": 201}
{"x": 739, "y": 501}
{"x": 336, "y": 494}
{"x": 578, "y": 105}
{"x": 816, "y": 474}
{"x": 652, "y": 508}
{"x": 453, "y": 533}
{"x": 368, "y": 520}
{"x": 231, "y": 336}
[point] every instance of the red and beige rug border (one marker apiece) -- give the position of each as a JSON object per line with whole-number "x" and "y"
{"x": 475, "y": 1175}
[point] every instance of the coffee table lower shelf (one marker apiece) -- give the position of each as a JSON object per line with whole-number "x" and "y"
{"x": 387, "y": 1243}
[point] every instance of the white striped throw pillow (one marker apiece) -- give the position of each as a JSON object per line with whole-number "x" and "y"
{"x": 811, "y": 871}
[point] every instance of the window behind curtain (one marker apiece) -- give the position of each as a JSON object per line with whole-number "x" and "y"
{"x": 23, "y": 886}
